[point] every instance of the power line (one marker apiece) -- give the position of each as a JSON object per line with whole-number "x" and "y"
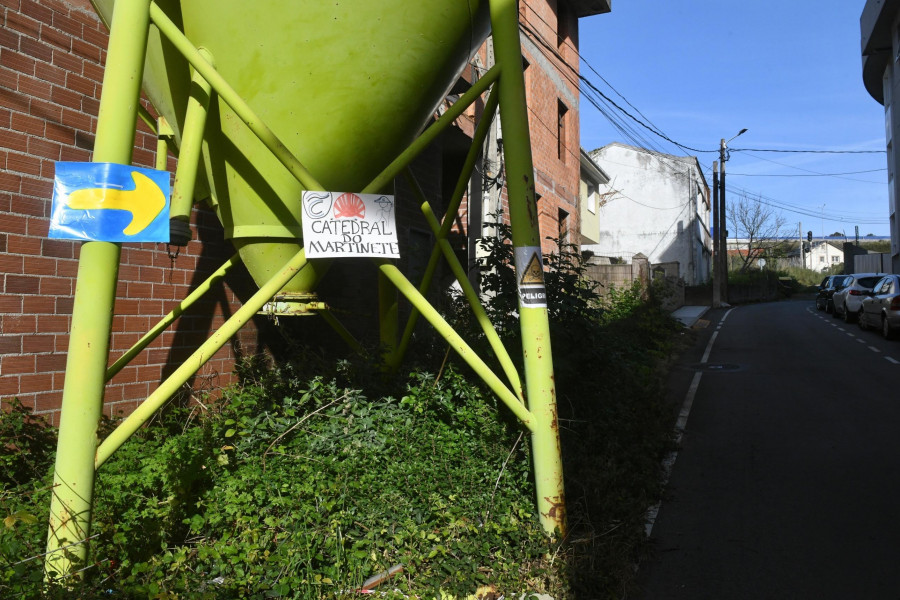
{"x": 809, "y": 151}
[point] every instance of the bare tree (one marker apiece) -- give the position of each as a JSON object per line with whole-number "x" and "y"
{"x": 760, "y": 228}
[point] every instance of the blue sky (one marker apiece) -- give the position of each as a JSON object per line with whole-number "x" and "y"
{"x": 787, "y": 70}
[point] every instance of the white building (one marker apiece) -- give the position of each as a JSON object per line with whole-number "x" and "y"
{"x": 592, "y": 178}
{"x": 821, "y": 256}
{"x": 880, "y": 32}
{"x": 654, "y": 204}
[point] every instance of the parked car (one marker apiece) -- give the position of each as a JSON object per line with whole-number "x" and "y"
{"x": 848, "y": 299}
{"x": 827, "y": 289}
{"x": 881, "y": 308}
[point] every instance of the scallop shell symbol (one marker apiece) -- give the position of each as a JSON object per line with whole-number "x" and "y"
{"x": 349, "y": 206}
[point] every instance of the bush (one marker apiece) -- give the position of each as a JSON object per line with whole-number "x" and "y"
{"x": 305, "y": 480}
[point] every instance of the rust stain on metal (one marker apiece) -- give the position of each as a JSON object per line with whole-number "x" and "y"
{"x": 557, "y": 510}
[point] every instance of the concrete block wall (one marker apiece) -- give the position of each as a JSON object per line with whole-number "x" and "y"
{"x": 51, "y": 68}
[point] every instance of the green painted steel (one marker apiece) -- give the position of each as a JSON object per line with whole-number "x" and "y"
{"x": 199, "y": 358}
{"x": 196, "y": 294}
{"x": 345, "y": 86}
{"x": 318, "y": 96}
{"x": 523, "y": 216}
{"x": 95, "y": 293}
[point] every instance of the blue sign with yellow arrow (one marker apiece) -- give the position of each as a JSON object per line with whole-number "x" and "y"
{"x": 109, "y": 202}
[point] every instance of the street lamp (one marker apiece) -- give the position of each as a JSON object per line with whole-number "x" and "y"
{"x": 720, "y": 289}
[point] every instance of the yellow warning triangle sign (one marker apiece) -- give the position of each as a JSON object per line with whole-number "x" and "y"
{"x": 534, "y": 274}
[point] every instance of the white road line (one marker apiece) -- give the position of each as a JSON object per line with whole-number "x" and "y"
{"x": 851, "y": 334}
{"x": 680, "y": 425}
{"x": 874, "y": 349}
{"x": 861, "y": 341}
{"x": 709, "y": 347}
{"x": 889, "y": 359}
{"x": 841, "y": 329}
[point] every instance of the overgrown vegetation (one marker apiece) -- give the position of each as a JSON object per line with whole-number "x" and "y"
{"x": 310, "y": 477}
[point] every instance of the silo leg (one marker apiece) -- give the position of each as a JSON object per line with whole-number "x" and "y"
{"x": 526, "y": 238}
{"x": 95, "y": 294}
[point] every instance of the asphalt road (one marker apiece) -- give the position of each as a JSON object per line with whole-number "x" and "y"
{"x": 787, "y": 482}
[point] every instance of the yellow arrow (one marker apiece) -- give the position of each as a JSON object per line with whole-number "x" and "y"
{"x": 144, "y": 202}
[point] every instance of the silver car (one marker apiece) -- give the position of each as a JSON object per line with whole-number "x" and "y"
{"x": 848, "y": 300}
{"x": 881, "y": 307}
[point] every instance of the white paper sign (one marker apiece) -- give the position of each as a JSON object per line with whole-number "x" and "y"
{"x": 337, "y": 224}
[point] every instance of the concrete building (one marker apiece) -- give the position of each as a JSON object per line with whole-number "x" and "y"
{"x": 656, "y": 205}
{"x": 592, "y": 178}
{"x": 880, "y": 32}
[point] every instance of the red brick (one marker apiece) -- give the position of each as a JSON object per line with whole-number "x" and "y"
{"x": 9, "y": 38}
{"x": 90, "y": 105}
{"x": 67, "y": 268}
{"x": 22, "y": 23}
{"x": 56, "y": 286}
{"x": 60, "y": 133}
{"x": 36, "y": 49}
{"x": 67, "y": 24}
{"x": 41, "y": 382}
{"x": 38, "y": 265}
{"x": 64, "y": 305}
{"x": 11, "y": 344}
{"x": 56, "y": 38}
{"x": 65, "y": 60}
{"x": 18, "y": 244}
{"x": 38, "y": 226}
{"x": 23, "y": 163}
{"x": 94, "y": 72}
{"x": 12, "y": 264}
{"x": 27, "y": 124}
{"x": 41, "y": 188}
{"x": 14, "y": 364}
{"x": 22, "y": 284}
{"x": 45, "y": 402}
{"x": 10, "y": 182}
{"x": 50, "y": 362}
{"x": 54, "y": 323}
{"x": 58, "y": 248}
{"x": 38, "y": 305}
{"x": 17, "y": 62}
{"x": 9, "y": 385}
{"x": 14, "y": 140}
{"x": 45, "y": 109}
{"x": 36, "y": 11}
{"x": 86, "y": 50}
{"x": 79, "y": 84}
{"x": 38, "y": 343}
{"x": 96, "y": 37}
{"x": 66, "y": 98}
{"x": 76, "y": 119}
{"x": 74, "y": 154}
{"x": 10, "y": 304}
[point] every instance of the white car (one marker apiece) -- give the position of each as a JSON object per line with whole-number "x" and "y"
{"x": 881, "y": 307}
{"x": 848, "y": 300}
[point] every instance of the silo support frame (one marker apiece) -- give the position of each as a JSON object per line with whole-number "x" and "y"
{"x": 523, "y": 216}
{"x": 95, "y": 294}
{"x": 78, "y": 451}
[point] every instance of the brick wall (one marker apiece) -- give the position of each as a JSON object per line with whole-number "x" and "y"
{"x": 549, "y": 38}
{"x": 51, "y": 68}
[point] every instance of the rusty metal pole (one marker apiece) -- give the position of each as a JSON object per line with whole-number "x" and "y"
{"x": 526, "y": 238}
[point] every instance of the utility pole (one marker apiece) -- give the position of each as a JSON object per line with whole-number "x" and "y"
{"x": 802, "y": 251}
{"x": 722, "y": 225}
{"x": 717, "y": 239}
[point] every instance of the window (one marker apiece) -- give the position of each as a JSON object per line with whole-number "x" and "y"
{"x": 592, "y": 198}
{"x": 563, "y": 226}
{"x": 821, "y": 259}
{"x": 834, "y": 259}
{"x": 561, "y": 111}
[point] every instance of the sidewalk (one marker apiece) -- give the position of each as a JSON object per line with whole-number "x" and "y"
{"x": 689, "y": 315}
